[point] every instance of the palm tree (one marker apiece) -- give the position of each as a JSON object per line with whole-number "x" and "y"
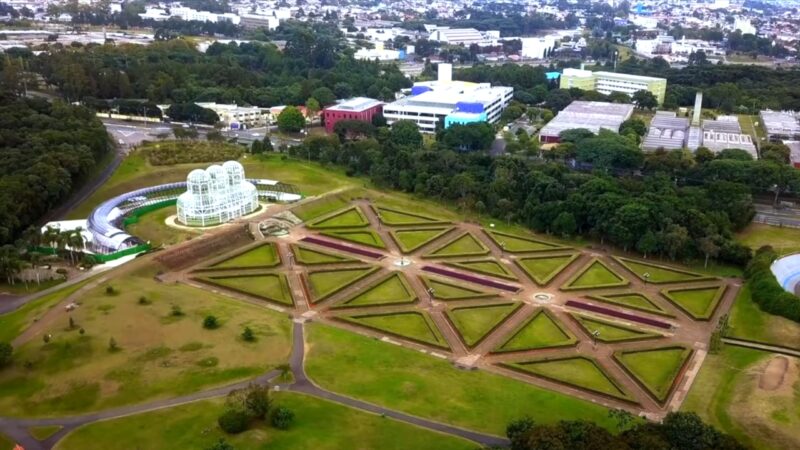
{"x": 33, "y": 236}
{"x": 76, "y": 240}
{"x": 62, "y": 241}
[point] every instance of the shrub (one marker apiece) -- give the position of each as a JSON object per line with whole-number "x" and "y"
{"x": 6, "y": 352}
{"x": 256, "y": 401}
{"x": 221, "y": 444}
{"x": 110, "y": 290}
{"x": 82, "y": 331}
{"x": 46, "y": 338}
{"x": 282, "y": 418}
{"x": 210, "y": 323}
{"x": 248, "y": 334}
{"x": 176, "y": 311}
{"x": 112, "y": 345}
{"x": 144, "y": 300}
{"x": 766, "y": 291}
{"x": 233, "y": 421}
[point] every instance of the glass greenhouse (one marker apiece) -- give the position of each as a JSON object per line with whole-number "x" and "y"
{"x": 216, "y": 195}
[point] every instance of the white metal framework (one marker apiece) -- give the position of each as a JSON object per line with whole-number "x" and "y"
{"x": 216, "y": 195}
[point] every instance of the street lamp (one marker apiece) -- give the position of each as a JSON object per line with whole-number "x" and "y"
{"x": 430, "y": 292}
{"x": 646, "y": 277}
{"x": 595, "y": 333}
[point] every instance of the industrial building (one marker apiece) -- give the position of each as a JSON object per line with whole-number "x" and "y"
{"x": 608, "y": 82}
{"x": 538, "y": 47}
{"x": 255, "y": 21}
{"x": 449, "y": 102}
{"x": 358, "y": 108}
{"x": 456, "y": 36}
{"x": 592, "y": 116}
{"x": 666, "y": 131}
{"x": 724, "y": 133}
{"x": 781, "y": 125}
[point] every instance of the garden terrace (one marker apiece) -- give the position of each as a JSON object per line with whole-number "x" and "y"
{"x": 262, "y": 256}
{"x": 657, "y": 273}
{"x": 541, "y": 331}
{"x": 324, "y": 283}
{"x": 632, "y": 300}
{"x": 520, "y": 244}
{"x": 308, "y": 256}
{"x": 443, "y": 290}
{"x": 595, "y": 275}
{"x": 655, "y": 369}
{"x": 475, "y": 323}
{"x": 271, "y": 287}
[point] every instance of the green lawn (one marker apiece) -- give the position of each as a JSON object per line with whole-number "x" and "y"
{"x": 270, "y": 286}
{"x": 406, "y": 380}
{"x": 391, "y": 290}
{"x": 410, "y": 240}
{"x": 351, "y": 217}
{"x": 464, "y": 245}
{"x": 658, "y": 273}
{"x": 366, "y": 237}
{"x": 612, "y": 332}
{"x": 632, "y": 300}
{"x": 748, "y": 321}
{"x": 726, "y": 394}
{"x": 264, "y": 255}
{"x": 542, "y": 269}
{"x": 699, "y": 302}
{"x": 577, "y": 371}
{"x": 393, "y": 217}
{"x": 520, "y": 244}
{"x": 486, "y": 267}
{"x": 320, "y": 207}
{"x": 416, "y": 326}
{"x": 783, "y": 239}
{"x": 42, "y": 433}
{"x": 6, "y": 443}
{"x": 308, "y": 256}
{"x": 15, "y": 322}
{"x": 595, "y": 275}
{"x": 656, "y": 369}
{"x": 318, "y": 424}
{"x": 443, "y": 290}
{"x": 474, "y": 323}
{"x": 152, "y": 227}
{"x": 324, "y": 283}
{"x": 540, "y": 331}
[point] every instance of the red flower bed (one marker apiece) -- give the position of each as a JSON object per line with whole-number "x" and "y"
{"x": 619, "y": 315}
{"x": 343, "y": 247}
{"x": 470, "y": 278}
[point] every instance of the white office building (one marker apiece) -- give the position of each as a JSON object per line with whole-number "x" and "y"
{"x": 238, "y": 117}
{"x": 449, "y": 102}
{"x": 538, "y": 47}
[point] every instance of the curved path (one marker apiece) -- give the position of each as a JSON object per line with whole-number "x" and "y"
{"x": 17, "y": 428}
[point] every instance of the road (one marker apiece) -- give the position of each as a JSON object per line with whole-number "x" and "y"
{"x": 786, "y": 217}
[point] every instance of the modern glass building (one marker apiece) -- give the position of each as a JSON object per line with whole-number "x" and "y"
{"x": 216, "y": 195}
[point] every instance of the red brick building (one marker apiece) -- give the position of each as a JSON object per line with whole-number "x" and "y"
{"x": 358, "y": 108}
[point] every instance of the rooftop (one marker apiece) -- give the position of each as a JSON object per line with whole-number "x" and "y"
{"x": 781, "y": 122}
{"x": 592, "y": 116}
{"x": 355, "y": 104}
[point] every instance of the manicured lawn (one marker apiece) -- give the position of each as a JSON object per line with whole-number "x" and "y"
{"x": 443, "y": 290}
{"x": 473, "y": 323}
{"x": 632, "y": 300}
{"x": 393, "y": 217}
{"x": 320, "y": 207}
{"x": 265, "y": 255}
{"x": 543, "y": 269}
{"x": 6, "y": 443}
{"x": 391, "y": 290}
{"x": 366, "y": 237}
{"x": 270, "y": 286}
{"x": 160, "y": 355}
{"x": 520, "y": 244}
{"x": 416, "y": 326}
{"x": 699, "y": 303}
{"x": 577, "y": 371}
{"x": 658, "y": 273}
{"x": 595, "y": 275}
{"x": 42, "y": 433}
{"x": 612, "y": 332}
{"x": 748, "y": 321}
{"x": 15, "y": 322}
{"x": 409, "y": 381}
{"x": 318, "y": 424}
{"x": 325, "y": 283}
{"x": 540, "y": 331}
{"x": 783, "y": 239}
{"x": 464, "y": 245}
{"x": 486, "y": 267}
{"x": 152, "y": 227}
{"x": 307, "y": 256}
{"x": 726, "y": 394}
{"x": 656, "y": 369}
{"x": 351, "y": 217}
{"x": 410, "y": 240}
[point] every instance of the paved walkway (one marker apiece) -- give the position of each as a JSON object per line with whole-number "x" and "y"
{"x": 765, "y": 347}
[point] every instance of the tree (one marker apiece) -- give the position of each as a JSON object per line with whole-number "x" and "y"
{"x": 191, "y": 112}
{"x": 257, "y": 401}
{"x": 248, "y": 334}
{"x": 233, "y": 421}
{"x": 6, "y": 353}
{"x": 709, "y": 248}
{"x": 324, "y": 96}
{"x": 635, "y": 125}
{"x": 557, "y": 99}
{"x": 112, "y": 345}
{"x": 282, "y": 418}
{"x": 266, "y": 144}
{"x": 210, "y": 323}
{"x": 291, "y": 120}
{"x": 405, "y": 133}
{"x": 313, "y": 106}
{"x": 644, "y": 99}
{"x": 517, "y": 430}
{"x": 647, "y": 244}
{"x": 564, "y": 224}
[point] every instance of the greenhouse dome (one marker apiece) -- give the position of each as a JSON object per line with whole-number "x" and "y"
{"x": 216, "y": 195}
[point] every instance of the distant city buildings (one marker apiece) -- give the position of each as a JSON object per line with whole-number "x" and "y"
{"x": 592, "y": 116}
{"x": 608, "y": 82}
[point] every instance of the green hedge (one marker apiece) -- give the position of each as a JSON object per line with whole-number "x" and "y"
{"x": 766, "y": 291}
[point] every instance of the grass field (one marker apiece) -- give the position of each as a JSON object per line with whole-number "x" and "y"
{"x": 593, "y": 276}
{"x": 726, "y": 394}
{"x": 42, "y": 433}
{"x": 699, "y": 302}
{"x": 318, "y": 424}
{"x": 269, "y": 286}
{"x": 464, "y": 245}
{"x": 656, "y": 369}
{"x": 308, "y": 256}
{"x": 577, "y": 371}
{"x": 6, "y": 443}
{"x": 632, "y": 300}
{"x": 325, "y": 283}
{"x": 410, "y": 240}
{"x": 486, "y": 267}
{"x": 612, "y": 332}
{"x": 443, "y": 290}
{"x": 320, "y": 207}
{"x": 135, "y": 172}
{"x": 159, "y": 354}
{"x": 350, "y": 217}
{"x": 542, "y": 269}
{"x": 391, "y": 290}
{"x": 748, "y": 321}
{"x": 473, "y": 323}
{"x": 364, "y": 237}
{"x": 430, "y": 387}
{"x": 265, "y": 255}
{"x": 540, "y": 331}
{"x": 658, "y": 273}
{"x": 393, "y": 217}
{"x": 783, "y": 239}
{"x": 414, "y": 325}
{"x": 520, "y": 244}
{"x": 152, "y": 227}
